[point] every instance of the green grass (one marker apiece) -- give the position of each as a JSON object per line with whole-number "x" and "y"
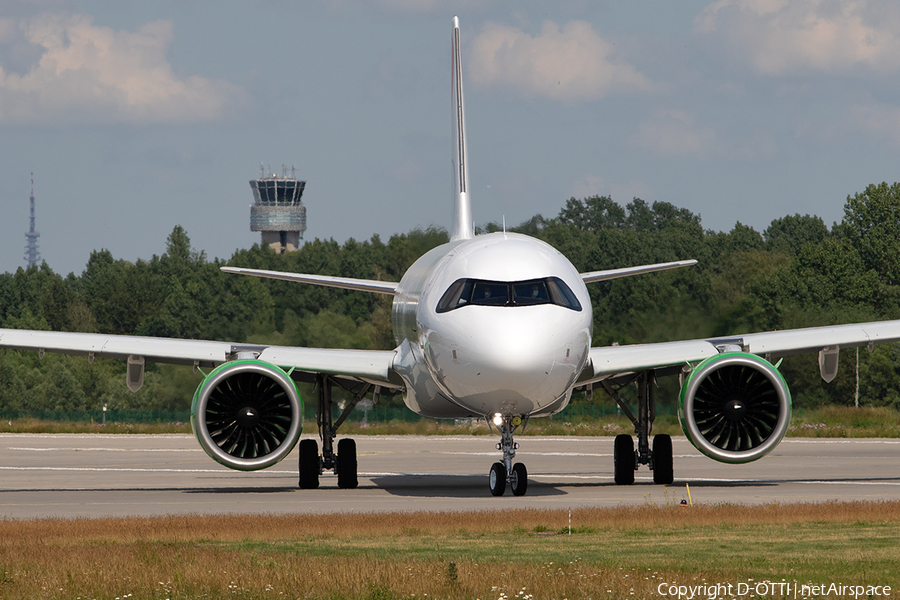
{"x": 613, "y": 553}
{"x": 817, "y": 551}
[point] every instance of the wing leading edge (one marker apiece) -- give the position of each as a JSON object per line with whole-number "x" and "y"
{"x": 374, "y": 366}
{"x": 347, "y": 283}
{"x": 595, "y": 276}
{"x": 389, "y": 287}
{"x": 173, "y": 351}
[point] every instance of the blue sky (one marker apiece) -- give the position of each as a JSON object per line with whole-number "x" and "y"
{"x": 136, "y": 117}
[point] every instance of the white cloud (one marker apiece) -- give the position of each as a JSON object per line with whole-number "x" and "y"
{"x": 571, "y": 63}
{"x": 674, "y": 132}
{"x": 88, "y": 73}
{"x": 782, "y": 36}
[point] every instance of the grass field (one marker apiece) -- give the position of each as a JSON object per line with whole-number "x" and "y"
{"x": 528, "y": 554}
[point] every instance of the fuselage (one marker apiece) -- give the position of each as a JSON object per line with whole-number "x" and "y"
{"x": 500, "y": 323}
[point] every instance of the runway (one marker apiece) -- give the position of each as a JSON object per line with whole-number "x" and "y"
{"x": 139, "y": 475}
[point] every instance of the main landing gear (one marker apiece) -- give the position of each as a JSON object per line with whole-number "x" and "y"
{"x": 505, "y": 472}
{"x": 343, "y": 463}
{"x": 625, "y": 459}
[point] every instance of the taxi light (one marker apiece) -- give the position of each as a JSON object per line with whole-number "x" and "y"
{"x": 498, "y": 419}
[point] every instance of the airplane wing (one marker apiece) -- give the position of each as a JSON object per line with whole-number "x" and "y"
{"x": 389, "y": 287}
{"x": 374, "y": 366}
{"x": 595, "y": 276}
{"x": 608, "y": 361}
{"x": 370, "y": 366}
{"x": 347, "y": 283}
{"x": 173, "y": 351}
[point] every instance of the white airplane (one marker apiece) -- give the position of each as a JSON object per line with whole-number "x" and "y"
{"x": 495, "y": 326}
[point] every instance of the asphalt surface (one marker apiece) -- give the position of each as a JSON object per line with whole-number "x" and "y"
{"x": 137, "y": 475}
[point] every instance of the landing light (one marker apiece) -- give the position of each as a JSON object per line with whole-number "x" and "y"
{"x": 498, "y": 419}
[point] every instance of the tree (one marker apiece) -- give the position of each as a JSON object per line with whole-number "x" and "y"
{"x": 640, "y": 216}
{"x": 592, "y": 214}
{"x": 178, "y": 246}
{"x": 12, "y": 390}
{"x": 872, "y": 225}
{"x": 790, "y": 234}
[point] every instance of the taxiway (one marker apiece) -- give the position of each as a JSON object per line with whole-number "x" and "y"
{"x": 99, "y": 475}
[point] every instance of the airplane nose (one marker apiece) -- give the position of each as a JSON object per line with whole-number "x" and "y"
{"x": 508, "y": 363}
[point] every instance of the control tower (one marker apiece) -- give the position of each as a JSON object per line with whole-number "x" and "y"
{"x": 278, "y": 213}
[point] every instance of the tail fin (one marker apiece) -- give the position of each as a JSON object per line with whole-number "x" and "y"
{"x": 463, "y": 227}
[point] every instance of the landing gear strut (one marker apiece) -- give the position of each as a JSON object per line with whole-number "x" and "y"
{"x": 625, "y": 459}
{"x": 343, "y": 463}
{"x": 516, "y": 475}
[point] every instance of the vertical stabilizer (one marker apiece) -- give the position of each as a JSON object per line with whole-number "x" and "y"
{"x": 463, "y": 227}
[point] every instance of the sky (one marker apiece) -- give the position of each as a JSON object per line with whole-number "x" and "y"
{"x": 136, "y": 117}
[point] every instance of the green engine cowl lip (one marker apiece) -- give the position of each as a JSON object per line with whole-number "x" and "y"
{"x": 700, "y": 373}
{"x": 201, "y": 397}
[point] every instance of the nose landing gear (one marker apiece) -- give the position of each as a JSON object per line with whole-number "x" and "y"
{"x": 516, "y": 475}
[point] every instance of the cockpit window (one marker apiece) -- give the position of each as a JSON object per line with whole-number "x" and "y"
{"x": 530, "y": 292}
{"x": 551, "y": 290}
{"x": 490, "y": 293}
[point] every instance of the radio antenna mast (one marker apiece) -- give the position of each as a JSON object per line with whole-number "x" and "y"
{"x": 32, "y": 255}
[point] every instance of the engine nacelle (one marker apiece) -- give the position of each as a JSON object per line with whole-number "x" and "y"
{"x": 735, "y": 407}
{"x": 247, "y": 414}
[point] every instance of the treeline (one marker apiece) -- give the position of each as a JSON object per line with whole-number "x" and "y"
{"x": 795, "y": 273}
